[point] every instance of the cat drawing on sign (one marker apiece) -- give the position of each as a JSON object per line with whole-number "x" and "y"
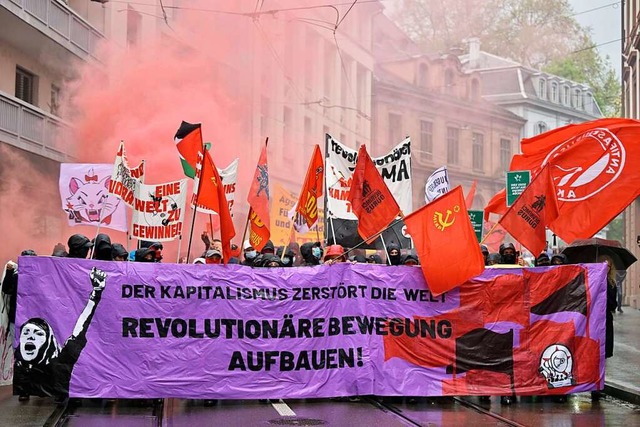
{"x": 89, "y": 202}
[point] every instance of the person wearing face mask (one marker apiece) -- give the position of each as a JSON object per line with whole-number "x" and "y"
{"x": 250, "y": 254}
{"x": 289, "y": 257}
{"x": 311, "y": 253}
{"x": 145, "y": 255}
{"x": 213, "y": 256}
{"x": 508, "y": 253}
{"x": 393, "y": 254}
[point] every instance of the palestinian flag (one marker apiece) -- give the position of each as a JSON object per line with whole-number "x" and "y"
{"x": 188, "y": 141}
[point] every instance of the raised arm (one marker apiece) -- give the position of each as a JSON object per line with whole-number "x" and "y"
{"x": 98, "y": 281}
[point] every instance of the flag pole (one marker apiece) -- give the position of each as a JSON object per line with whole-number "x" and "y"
{"x": 286, "y": 246}
{"x": 195, "y": 206}
{"x": 384, "y": 246}
{"x": 179, "y": 247}
{"x": 211, "y": 226}
{"x": 246, "y": 226}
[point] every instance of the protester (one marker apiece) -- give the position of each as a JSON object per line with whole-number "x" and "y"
{"x": 249, "y": 253}
{"x": 393, "y": 254}
{"x": 620, "y": 276}
{"x": 289, "y": 257}
{"x": 410, "y": 259}
{"x": 508, "y": 254}
{"x": 157, "y": 249}
{"x": 485, "y": 253}
{"x": 558, "y": 259}
{"x": 199, "y": 261}
{"x": 272, "y": 261}
{"x": 213, "y": 256}
{"x": 494, "y": 258}
{"x": 375, "y": 259}
{"x": 102, "y": 247}
{"x": 268, "y": 248}
{"x": 59, "y": 250}
{"x": 311, "y": 253}
{"x": 358, "y": 259}
{"x": 119, "y": 252}
{"x": 334, "y": 254}
{"x": 79, "y": 246}
{"x": 542, "y": 260}
{"x": 145, "y": 255}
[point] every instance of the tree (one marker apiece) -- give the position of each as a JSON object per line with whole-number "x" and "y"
{"x": 541, "y": 34}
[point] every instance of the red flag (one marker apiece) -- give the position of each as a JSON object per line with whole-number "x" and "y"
{"x": 471, "y": 194}
{"x": 595, "y": 166}
{"x": 258, "y": 199}
{"x": 536, "y": 208}
{"x": 497, "y": 204}
{"x": 188, "y": 141}
{"x": 210, "y": 197}
{"x": 312, "y": 189}
{"x": 441, "y": 231}
{"x": 370, "y": 198}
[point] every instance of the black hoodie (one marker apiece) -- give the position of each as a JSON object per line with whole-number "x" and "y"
{"x": 79, "y": 246}
{"x": 102, "y": 247}
{"x": 397, "y": 259}
{"x": 306, "y": 251}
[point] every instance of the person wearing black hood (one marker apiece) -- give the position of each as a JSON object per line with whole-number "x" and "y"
{"x": 410, "y": 259}
{"x": 311, "y": 253}
{"x": 508, "y": 253}
{"x": 102, "y": 247}
{"x": 393, "y": 254}
{"x": 289, "y": 257}
{"x": 79, "y": 246}
{"x": 145, "y": 255}
{"x": 485, "y": 253}
{"x": 558, "y": 259}
{"x": 268, "y": 248}
{"x": 119, "y": 252}
{"x": 374, "y": 259}
{"x": 542, "y": 260}
{"x": 155, "y": 246}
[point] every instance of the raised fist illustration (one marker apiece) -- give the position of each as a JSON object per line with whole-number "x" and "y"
{"x": 98, "y": 279}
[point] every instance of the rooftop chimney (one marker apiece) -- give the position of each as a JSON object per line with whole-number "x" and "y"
{"x": 474, "y": 52}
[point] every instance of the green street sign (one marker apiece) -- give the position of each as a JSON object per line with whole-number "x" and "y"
{"x": 517, "y": 181}
{"x": 476, "y": 218}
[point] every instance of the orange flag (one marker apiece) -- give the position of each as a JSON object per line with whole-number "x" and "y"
{"x": 441, "y": 231}
{"x": 258, "y": 199}
{"x": 312, "y": 189}
{"x": 532, "y": 212}
{"x": 210, "y": 197}
{"x": 370, "y": 198}
{"x": 595, "y": 167}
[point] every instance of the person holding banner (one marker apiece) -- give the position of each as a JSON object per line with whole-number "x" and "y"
{"x": 119, "y": 253}
{"x": 79, "y": 246}
{"x": 44, "y": 369}
{"x": 311, "y": 253}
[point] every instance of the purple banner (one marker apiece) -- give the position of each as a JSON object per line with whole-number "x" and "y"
{"x": 148, "y": 330}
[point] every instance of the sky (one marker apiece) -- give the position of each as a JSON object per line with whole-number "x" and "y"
{"x": 605, "y": 23}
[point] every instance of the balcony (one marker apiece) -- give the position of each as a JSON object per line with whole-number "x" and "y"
{"x": 51, "y": 18}
{"x": 31, "y": 129}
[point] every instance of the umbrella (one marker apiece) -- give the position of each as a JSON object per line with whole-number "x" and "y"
{"x": 588, "y": 250}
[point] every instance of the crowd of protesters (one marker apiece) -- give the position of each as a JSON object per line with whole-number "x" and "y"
{"x": 308, "y": 254}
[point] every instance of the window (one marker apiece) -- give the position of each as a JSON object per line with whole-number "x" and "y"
{"x": 505, "y": 153}
{"x": 577, "y": 98}
{"x": 423, "y": 75}
{"x": 589, "y": 102}
{"x": 395, "y": 128}
{"x": 453, "y": 138}
{"x": 426, "y": 140}
{"x": 554, "y": 92}
{"x": 475, "y": 90}
{"x": 25, "y": 85}
{"x": 542, "y": 89}
{"x": 541, "y": 127}
{"x": 54, "y": 105}
{"x": 361, "y": 86}
{"x": 478, "y": 151}
{"x": 134, "y": 21}
{"x": 565, "y": 95}
{"x": 448, "y": 82}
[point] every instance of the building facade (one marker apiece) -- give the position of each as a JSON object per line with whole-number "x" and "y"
{"x": 631, "y": 109}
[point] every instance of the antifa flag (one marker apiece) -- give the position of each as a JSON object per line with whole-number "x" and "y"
{"x": 370, "y": 199}
{"x": 596, "y": 168}
{"x": 433, "y": 228}
{"x": 188, "y": 141}
{"x": 209, "y": 197}
{"x": 527, "y": 219}
{"x": 569, "y": 294}
{"x": 258, "y": 199}
{"x": 482, "y": 349}
{"x": 307, "y": 206}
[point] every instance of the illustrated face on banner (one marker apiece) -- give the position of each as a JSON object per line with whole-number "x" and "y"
{"x": 32, "y": 339}
{"x": 89, "y": 201}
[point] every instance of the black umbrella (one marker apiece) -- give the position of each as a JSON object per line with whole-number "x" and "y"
{"x": 588, "y": 250}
